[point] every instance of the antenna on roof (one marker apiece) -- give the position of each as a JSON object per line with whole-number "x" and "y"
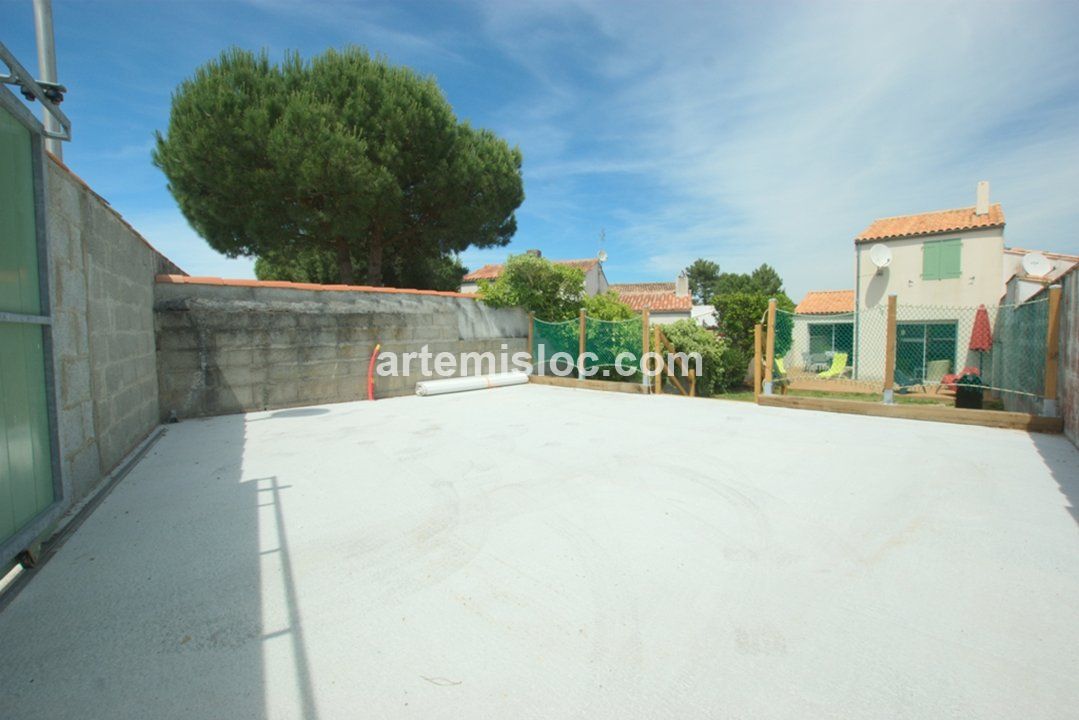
{"x": 602, "y": 254}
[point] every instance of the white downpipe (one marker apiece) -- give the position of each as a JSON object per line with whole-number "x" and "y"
{"x": 464, "y": 384}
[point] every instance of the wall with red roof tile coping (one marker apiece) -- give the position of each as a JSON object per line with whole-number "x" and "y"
{"x": 189, "y": 280}
{"x": 226, "y": 346}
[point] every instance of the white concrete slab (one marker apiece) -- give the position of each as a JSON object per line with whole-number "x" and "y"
{"x": 551, "y": 553}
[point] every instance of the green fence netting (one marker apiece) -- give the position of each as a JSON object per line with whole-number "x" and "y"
{"x": 1017, "y": 360}
{"x": 553, "y": 341}
{"x": 556, "y": 345}
{"x": 934, "y": 345}
{"x": 609, "y": 339}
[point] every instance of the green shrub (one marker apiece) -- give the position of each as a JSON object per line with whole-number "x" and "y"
{"x": 553, "y": 292}
{"x": 716, "y": 358}
{"x": 733, "y": 373}
{"x": 739, "y": 312}
{"x": 607, "y": 306}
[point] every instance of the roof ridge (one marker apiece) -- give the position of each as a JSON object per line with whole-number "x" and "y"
{"x": 1049, "y": 253}
{"x": 935, "y": 212}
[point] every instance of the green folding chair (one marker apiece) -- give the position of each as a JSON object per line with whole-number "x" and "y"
{"x": 839, "y": 366}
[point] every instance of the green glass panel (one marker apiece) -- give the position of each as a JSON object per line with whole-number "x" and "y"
{"x": 844, "y": 339}
{"x": 820, "y": 338}
{"x": 18, "y": 240}
{"x": 25, "y": 469}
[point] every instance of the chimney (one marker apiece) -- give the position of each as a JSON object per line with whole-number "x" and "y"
{"x": 681, "y": 286}
{"x": 982, "y": 207}
{"x": 534, "y": 253}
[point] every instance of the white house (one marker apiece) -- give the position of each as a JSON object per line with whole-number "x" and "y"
{"x": 942, "y": 266}
{"x": 595, "y": 281}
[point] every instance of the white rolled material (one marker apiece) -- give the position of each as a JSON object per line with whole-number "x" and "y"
{"x": 464, "y": 384}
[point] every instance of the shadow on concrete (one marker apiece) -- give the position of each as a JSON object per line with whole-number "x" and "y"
{"x": 157, "y": 605}
{"x": 296, "y": 412}
{"x": 1062, "y": 459}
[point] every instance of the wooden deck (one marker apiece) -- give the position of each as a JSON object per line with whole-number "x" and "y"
{"x": 933, "y": 413}
{"x": 869, "y": 387}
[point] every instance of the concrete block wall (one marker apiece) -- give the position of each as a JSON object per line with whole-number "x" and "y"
{"x": 101, "y": 294}
{"x": 244, "y": 345}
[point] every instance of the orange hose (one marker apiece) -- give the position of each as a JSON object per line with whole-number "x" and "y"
{"x": 371, "y": 373}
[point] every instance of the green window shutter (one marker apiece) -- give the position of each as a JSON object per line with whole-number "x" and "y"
{"x": 950, "y": 254}
{"x": 931, "y": 260}
{"x": 18, "y": 239}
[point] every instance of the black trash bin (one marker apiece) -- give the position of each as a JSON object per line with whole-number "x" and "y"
{"x": 969, "y": 389}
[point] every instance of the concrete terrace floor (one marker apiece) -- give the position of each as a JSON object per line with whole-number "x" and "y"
{"x": 543, "y": 552}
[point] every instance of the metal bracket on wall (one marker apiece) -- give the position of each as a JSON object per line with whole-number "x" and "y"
{"x": 50, "y": 95}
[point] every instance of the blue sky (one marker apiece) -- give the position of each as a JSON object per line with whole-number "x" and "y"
{"x": 741, "y": 132}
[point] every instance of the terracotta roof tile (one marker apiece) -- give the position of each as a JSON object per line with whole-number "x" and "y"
{"x": 492, "y": 271}
{"x": 657, "y": 297}
{"x": 932, "y": 223}
{"x": 187, "y": 280}
{"x": 826, "y": 302}
{"x": 643, "y": 287}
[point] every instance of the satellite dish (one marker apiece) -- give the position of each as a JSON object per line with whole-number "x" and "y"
{"x": 1036, "y": 265}
{"x": 602, "y": 257}
{"x": 880, "y": 256}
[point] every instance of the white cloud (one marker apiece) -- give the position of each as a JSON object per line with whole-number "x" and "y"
{"x": 774, "y": 133}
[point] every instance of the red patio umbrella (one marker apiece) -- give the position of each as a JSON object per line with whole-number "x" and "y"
{"x": 981, "y": 336}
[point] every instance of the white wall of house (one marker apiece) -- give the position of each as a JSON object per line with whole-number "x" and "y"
{"x": 705, "y": 315}
{"x": 666, "y": 318}
{"x": 980, "y": 280}
{"x": 595, "y": 280}
{"x": 1020, "y": 289}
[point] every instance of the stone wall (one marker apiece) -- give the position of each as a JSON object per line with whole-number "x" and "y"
{"x": 236, "y": 346}
{"x": 101, "y": 291}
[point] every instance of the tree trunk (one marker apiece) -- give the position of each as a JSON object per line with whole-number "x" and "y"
{"x": 374, "y": 258}
{"x": 344, "y": 263}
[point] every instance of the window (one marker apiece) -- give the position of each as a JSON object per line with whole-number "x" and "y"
{"x": 832, "y": 337}
{"x": 940, "y": 259}
{"x": 924, "y": 352}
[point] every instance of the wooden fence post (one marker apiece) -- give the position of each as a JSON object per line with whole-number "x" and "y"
{"x": 531, "y": 325}
{"x": 644, "y": 345}
{"x": 658, "y": 379}
{"x": 581, "y": 348}
{"x": 770, "y": 347}
{"x": 1052, "y": 352}
{"x": 758, "y": 361}
{"x": 889, "y": 353}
